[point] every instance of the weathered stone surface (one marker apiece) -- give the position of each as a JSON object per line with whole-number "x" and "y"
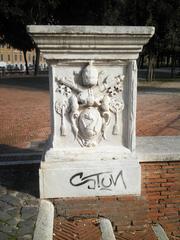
{"x": 32, "y": 202}
{"x": 10, "y": 199}
{"x": 13, "y": 222}
{"x": 13, "y": 211}
{"x": 29, "y": 222}
{"x": 6, "y": 228}
{"x": 26, "y": 227}
{"x": 106, "y": 229}
{"x": 80, "y": 38}
{"x": 4, "y": 216}
{"x": 14, "y": 204}
{"x": 159, "y": 232}
{"x": 80, "y": 179}
{"x": 3, "y": 190}
{"x": 5, "y": 236}
{"x": 25, "y": 196}
{"x": 159, "y": 148}
{"x": 93, "y": 84}
{"x": 25, "y": 237}
{"x": 5, "y": 205}
{"x": 28, "y": 212}
{"x": 44, "y": 224}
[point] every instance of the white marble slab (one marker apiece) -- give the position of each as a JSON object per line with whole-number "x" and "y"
{"x": 95, "y": 179}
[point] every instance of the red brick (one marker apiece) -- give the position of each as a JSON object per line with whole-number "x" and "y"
{"x": 168, "y": 184}
{"x": 157, "y": 206}
{"x": 127, "y": 198}
{"x": 175, "y": 163}
{"x": 169, "y": 175}
{"x": 169, "y": 210}
{"x": 79, "y": 212}
{"x": 149, "y": 185}
{"x": 169, "y": 167}
{"x": 156, "y": 180}
{"x": 151, "y": 167}
{"x": 157, "y": 197}
{"x": 171, "y": 226}
{"x": 170, "y": 193}
{"x": 140, "y": 222}
{"x": 149, "y": 175}
{"x": 156, "y": 189}
{"x": 108, "y": 198}
{"x": 174, "y": 200}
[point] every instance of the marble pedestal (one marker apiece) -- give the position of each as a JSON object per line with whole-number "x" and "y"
{"x": 93, "y": 88}
{"x": 82, "y": 179}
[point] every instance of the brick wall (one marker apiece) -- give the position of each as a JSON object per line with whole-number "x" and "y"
{"x": 161, "y": 188}
{"x": 159, "y": 203}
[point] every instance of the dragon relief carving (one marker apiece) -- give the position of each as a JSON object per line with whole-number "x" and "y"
{"x": 89, "y": 104}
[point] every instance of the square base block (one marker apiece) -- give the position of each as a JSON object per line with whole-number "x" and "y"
{"x": 83, "y": 178}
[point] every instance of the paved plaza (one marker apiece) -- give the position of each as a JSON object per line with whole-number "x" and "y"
{"x": 25, "y": 120}
{"x": 25, "y": 112}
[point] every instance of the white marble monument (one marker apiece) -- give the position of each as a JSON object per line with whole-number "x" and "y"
{"x": 93, "y": 88}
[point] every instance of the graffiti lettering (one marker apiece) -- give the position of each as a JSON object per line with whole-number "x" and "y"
{"x": 101, "y": 180}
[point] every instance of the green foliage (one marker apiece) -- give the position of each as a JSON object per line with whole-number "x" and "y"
{"x": 163, "y": 14}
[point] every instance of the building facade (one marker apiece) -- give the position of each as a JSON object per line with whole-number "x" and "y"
{"x": 15, "y": 58}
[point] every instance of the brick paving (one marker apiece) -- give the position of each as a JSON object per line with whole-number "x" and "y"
{"x": 147, "y": 234}
{"x": 158, "y": 114}
{"x": 79, "y": 229}
{"x": 25, "y": 113}
{"x": 25, "y": 118}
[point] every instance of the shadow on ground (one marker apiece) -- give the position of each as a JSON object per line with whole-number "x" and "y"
{"x": 34, "y": 148}
{"x": 30, "y": 82}
{"x": 21, "y": 178}
{"x": 150, "y": 89}
{"x": 4, "y": 148}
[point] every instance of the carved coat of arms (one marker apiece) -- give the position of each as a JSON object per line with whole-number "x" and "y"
{"x": 89, "y": 104}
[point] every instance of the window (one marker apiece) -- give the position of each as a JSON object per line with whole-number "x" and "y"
{"x": 29, "y": 57}
{"x": 1, "y": 57}
{"x": 20, "y": 57}
{"x": 15, "y": 57}
{"x": 9, "y": 58}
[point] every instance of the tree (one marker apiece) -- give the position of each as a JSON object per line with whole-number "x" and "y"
{"x": 21, "y": 41}
{"x": 37, "y": 12}
{"x": 14, "y": 16}
{"x": 163, "y": 14}
{"x": 12, "y": 29}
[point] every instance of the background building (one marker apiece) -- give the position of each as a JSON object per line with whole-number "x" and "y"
{"x": 14, "y": 58}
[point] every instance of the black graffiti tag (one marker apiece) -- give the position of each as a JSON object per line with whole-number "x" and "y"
{"x": 101, "y": 180}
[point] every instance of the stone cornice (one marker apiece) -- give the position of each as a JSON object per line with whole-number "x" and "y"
{"x": 90, "y": 42}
